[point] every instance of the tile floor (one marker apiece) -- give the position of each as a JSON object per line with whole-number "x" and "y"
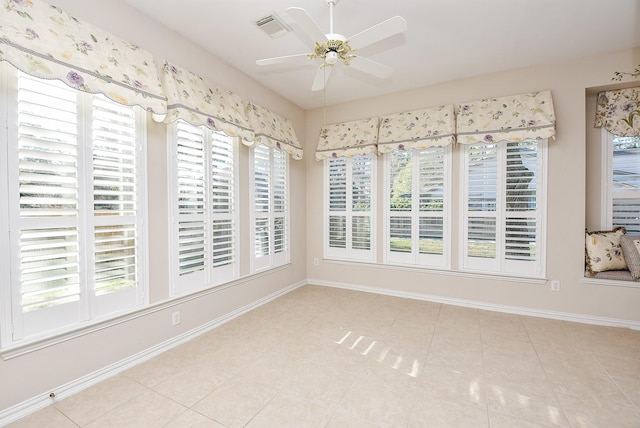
{"x": 323, "y": 357}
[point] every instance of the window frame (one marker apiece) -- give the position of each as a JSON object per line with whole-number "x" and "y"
{"x": 209, "y": 276}
{"x": 500, "y": 264}
{"x": 608, "y": 193}
{"x": 273, "y": 258}
{"x": 19, "y": 326}
{"x": 348, "y": 253}
{"x": 414, "y": 257}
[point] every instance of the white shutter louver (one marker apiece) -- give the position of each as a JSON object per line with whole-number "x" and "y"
{"x": 262, "y": 186}
{"x": 279, "y": 201}
{"x": 222, "y": 179}
{"x": 190, "y": 191}
{"x": 482, "y": 188}
{"x": 48, "y": 183}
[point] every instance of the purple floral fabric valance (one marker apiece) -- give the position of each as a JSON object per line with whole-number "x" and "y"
{"x": 273, "y": 130}
{"x": 619, "y": 112}
{"x": 46, "y": 42}
{"x": 421, "y": 129}
{"x": 348, "y": 139}
{"x": 514, "y": 118}
{"x": 201, "y": 103}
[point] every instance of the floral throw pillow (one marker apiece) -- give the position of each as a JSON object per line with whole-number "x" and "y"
{"x": 603, "y": 251}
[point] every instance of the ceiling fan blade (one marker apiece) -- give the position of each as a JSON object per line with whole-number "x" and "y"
{"x": 321, "y": 78}
{"x": 307, "y": 24}
{"x": 381, "y": 31}
{"x": 371, "y": 67}
{"x": 284, "y": 59}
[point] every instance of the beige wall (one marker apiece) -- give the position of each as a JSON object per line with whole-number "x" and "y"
{"x": 569, "y": 82}
{"x": 37, "y": 373}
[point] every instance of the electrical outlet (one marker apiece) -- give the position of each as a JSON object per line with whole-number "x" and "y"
{"x": 175, "y": 318}
{"x": 555, "y": 285}
{"x": 316, "y": 262}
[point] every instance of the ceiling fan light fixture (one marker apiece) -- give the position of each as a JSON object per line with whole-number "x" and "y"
{"x": 331, "y": 58}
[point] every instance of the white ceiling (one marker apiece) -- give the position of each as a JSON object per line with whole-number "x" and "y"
{"x": 445, "y": 40}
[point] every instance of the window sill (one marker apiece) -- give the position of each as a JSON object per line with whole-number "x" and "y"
{"x": 436, "y": 271}
{"x": 610, "y": 282}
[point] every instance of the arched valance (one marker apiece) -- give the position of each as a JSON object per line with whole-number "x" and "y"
{"x": 46, "y": 42}
{"x": 273, "y": 130}
{"x": 619, "y": 112}
{"x": 420, "y": 129}
{"x": 514, "y": 118}
{"x": 348, "y": 139}
{"x": 201, "y": 103}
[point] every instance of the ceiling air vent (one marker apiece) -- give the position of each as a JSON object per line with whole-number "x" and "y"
{"x": 272, "y": 25}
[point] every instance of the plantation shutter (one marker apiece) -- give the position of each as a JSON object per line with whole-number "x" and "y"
{"x": 49, "y": 187}
{"x": 223, "y": 201}
{"x": 115, "y": 189}
{"x": 191, "y": 182}
{"x": 349, "y": 207}
{"x": 262, "y": 198}
{"x": 482, "y": 190}
{"x": 280, "y": 202}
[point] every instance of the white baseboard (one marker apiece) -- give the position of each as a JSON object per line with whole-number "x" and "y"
{"x": 564, "y": 316}
{"x": 39, "y": 402}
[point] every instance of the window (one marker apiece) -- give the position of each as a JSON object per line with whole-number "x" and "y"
{"x": 75, "y": 197}
{"x": 621, "y": 192}
{"x": 417, "y": 201}
{"x": 349, "y": 202}
{"x": 204, "y": 223}
{"x": 270, "y": 214}
{"x": 504, "y": 207}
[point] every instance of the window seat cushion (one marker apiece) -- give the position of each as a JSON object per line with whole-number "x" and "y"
{"x": 612, "y": 275}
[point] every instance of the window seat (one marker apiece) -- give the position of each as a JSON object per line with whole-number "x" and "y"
{"x": 612, "y": 275}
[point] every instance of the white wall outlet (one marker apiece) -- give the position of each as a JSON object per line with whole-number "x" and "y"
{"x": 316, "y": 261}
{"x": 555, "y": 285}
{"x": 175, "y": 318}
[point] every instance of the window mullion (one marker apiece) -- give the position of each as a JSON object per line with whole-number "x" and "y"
{"x": 86, "y": 223}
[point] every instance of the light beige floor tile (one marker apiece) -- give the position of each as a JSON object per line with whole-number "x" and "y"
{"x": 273, "y": 369}
{"x": 155, "y": 370}
{"x": 586, "y": 413}
{"x": 600, "y": 388}
{"x": 620, "y": 367}
{"x": 93, "y": 402}
{"x": 302, "y": 345}
{"x": 187, "y": 387}
{"x": 497, "y": 420}
{"x": 286, "y": 411}
{"x": 378, "y": 404}
{"x": 630, "y": 388}
{"x": 320, "y": 384}
{"x": 149, "y": 409}
{"x": 344, "y": 420}
{"x": 429, "y": 412}
{"x": 454, "y": 385}
{"x": 191, "y": 419}
{"x": 235, "y": 403}
{"x": 396, "y": 366}
{"x": 342, "y": 358}
{"x": 527, "y": 404}
{"x": 49, "y": 417}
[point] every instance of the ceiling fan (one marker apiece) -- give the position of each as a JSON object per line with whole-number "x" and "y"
{"x": 334, "y": 47}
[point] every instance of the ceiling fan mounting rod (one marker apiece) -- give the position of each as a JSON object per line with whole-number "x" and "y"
{"x": 331, "y": 4}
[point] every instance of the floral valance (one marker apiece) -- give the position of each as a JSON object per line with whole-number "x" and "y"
{"x": 273, "y": 130}
{"x": 421, "y": 129}
{"x": 619, "y": 112}
{"x": 348, "y": 139}
{"x": 201, "y": 103}
{"x": 513, "y": 118}
{"x": 46, "y": 42}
